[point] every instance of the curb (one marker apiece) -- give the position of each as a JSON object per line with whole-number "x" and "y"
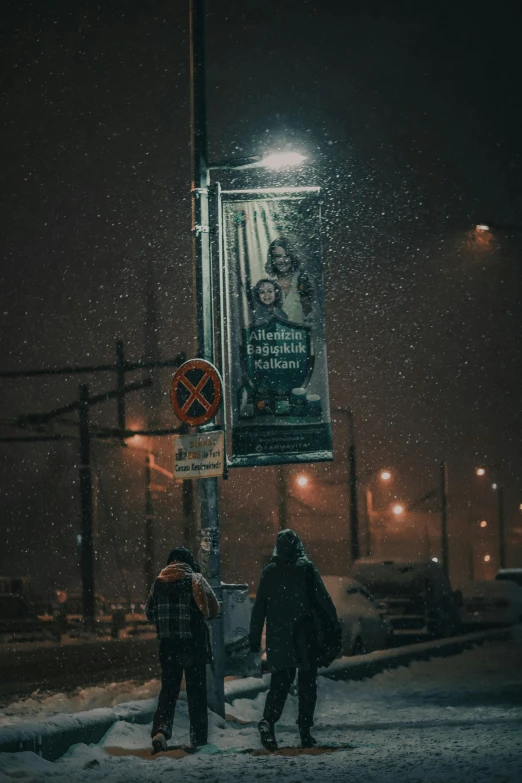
{"x": 53, "y": 737}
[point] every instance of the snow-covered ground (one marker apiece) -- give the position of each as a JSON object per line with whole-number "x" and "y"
{"x": 39, "y": 706}
{"x": 450, "y": 720}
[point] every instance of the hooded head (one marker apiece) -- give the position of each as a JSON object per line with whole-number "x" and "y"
{"x": 180, "y": 554}
{"x": 289, "y": 546}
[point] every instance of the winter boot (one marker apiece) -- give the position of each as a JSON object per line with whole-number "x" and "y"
{"x": 197, "y": 740}
{"x": 307, "y": 741}
{"x": 159, "y": 743}
{"x": 266, "y": 732}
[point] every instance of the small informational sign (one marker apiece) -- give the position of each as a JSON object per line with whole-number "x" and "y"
{"x": 201, "y": 455}
{"x": 195, "y": 392}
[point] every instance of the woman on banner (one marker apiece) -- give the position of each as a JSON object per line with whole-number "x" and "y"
{"x": 284, "y": 265}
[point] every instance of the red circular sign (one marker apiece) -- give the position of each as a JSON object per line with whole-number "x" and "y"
{"x": 195, "y": 392}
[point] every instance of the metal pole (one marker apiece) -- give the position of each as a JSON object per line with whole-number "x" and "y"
{"x": 282, "y": 512}
{"x": 207, "y": 488}
{"x": 152, "y": 349}
{"x": 87, "y": 545}
{"x": 501, "y": 527}
{"x": 369, "y": 514}
{"x": 443, "y": 474}
{"x": 471, "y": 548}
{"x": 120, "y": 383}
{"x": 149, "y": 525}
{"x": 355, "y": 551}
{"x": 189, "y": 522}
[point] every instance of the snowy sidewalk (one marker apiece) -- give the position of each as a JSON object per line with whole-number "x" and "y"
{"x": 450, "y": 720}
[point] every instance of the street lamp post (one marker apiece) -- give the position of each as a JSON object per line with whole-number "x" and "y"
{"x": 368, "y": 495}
{"x": 385, "y": 475}
{"x": 202, "y": 264}
{"x": 501, "y": 527}
{"x": 355, "y": 549}
{"x": 207, "y": 487}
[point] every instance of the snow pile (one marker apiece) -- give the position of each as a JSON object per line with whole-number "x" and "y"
{"x": 39, "y": 706}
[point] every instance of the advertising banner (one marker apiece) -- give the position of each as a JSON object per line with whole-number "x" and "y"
{"x": 275, "y": 343}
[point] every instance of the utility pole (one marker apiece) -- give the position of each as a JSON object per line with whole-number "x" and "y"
{"x": 208, "y": 487}
{"x": 282, "y": 511}
{"x": 501, "y": 527}
{"x": 120, "y": 384}
{"x": 87, "y": 532}
{"x": 471, "y": 548}
{"x": 355, "y": 550}
{"x": 443, "y": 477}
{"x": 86, "y": 435}
{"x": 150, "y": 520}
{"x": 369, "y": 517}
{"x": 353, "y": 485}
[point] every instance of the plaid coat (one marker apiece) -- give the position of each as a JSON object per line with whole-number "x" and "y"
{"x": 172, "y": 609}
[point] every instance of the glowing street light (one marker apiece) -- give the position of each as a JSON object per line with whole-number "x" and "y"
{"x": 398, "y": 509}
{"x": 482, "y": 227}
{"x": 282, "y": 160}
{"x": 385, "y": 475}
{"x": 480, "y": 471}
{"x": 277, "y": 160}
{"x": 483, "y": 523}
{"x": 302, "y": 480}
{"x": 487, "y": 558}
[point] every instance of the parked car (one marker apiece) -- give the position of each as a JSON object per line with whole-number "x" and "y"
{"x": 364, "y": 623}
{"x": 418, "y": 595}
{"x": 511, "y": 574}
{"x": 492, "y": 603}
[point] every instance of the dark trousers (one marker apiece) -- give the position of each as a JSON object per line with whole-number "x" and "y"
{"x": 173, "y": 664}
{"x": 280, "y": 684}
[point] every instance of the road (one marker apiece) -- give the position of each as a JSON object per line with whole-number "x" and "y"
{"x": 449, "y": 720}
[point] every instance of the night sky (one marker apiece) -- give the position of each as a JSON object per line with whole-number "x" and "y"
{"x": 411, "y": 117}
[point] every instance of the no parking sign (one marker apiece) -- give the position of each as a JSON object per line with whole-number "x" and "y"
{"x": 195, "y": 392}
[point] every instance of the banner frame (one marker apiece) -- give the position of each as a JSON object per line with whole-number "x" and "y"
{"x": 263, "y": 459}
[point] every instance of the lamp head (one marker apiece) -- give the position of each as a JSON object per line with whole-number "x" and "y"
{"x": 282, "y": 160}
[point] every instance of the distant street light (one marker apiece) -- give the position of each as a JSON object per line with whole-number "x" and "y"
{"x": 483, "y": 523}
{"x": 482, "y": 227}
{"x": 487, "y": 558}
{"x": 499, "y": 489}
{"x": 385, "y": 475}
{"x": 398, "y": 509}
{"x": 302, "y": 480}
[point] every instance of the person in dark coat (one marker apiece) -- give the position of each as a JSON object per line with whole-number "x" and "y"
{"x": 179, "y": 604}
{"x": 302, "y": 632}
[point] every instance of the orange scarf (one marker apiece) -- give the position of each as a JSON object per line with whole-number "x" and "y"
{"x": 203, "y": 594}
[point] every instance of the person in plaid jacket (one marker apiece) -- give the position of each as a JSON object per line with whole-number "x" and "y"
{"x": 180, "y": 604}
